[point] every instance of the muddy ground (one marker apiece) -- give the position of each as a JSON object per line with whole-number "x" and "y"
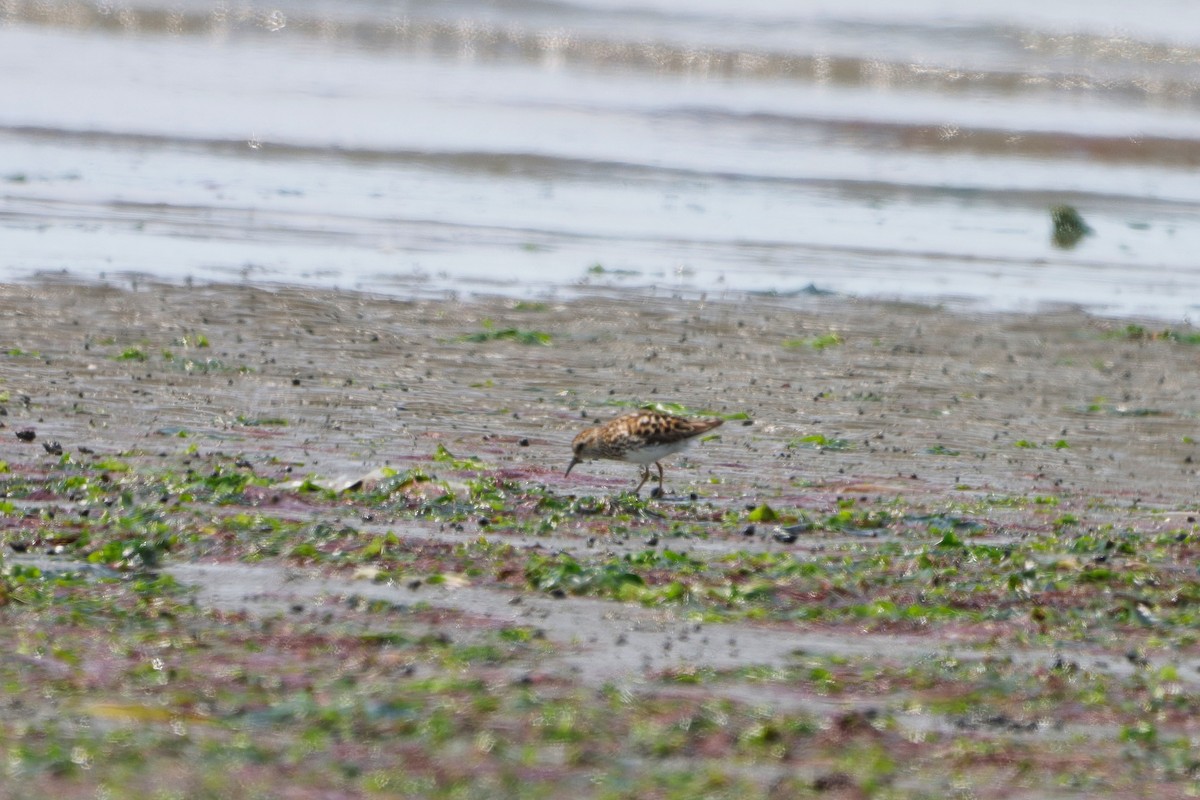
{"x": 869, "y": 436}
{"x": 367, "y": 381}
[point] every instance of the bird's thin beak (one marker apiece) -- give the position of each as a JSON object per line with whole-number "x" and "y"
{"x": 574, "y": 461}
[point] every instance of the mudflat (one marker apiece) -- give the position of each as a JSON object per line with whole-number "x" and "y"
{"x": 929, "y": 551}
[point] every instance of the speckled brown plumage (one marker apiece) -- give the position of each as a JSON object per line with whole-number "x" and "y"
{"x": 643, "y": 437}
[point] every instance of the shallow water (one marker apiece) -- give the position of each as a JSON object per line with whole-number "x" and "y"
{"x": 527, "y": 147}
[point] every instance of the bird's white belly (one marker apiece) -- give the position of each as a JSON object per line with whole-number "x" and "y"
{"x": 653, "y": 452}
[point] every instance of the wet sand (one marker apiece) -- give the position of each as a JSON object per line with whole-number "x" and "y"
{"x": 1058, "y": 402}
{"x": 842, "y": 399}
{"x": 931, "y": 407}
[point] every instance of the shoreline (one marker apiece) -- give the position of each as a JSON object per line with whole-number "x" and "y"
{"x": 420, "y": 286}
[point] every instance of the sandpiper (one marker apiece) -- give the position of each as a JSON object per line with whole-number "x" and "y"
{"x": 643, "y": 437}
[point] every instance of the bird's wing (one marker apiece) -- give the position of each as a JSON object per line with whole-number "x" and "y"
{"x": 667, "y": 429}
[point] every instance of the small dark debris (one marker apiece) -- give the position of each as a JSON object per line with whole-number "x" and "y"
{"x": 832, "y": 781}
{"x": 656, "y": 492}
{"x": 1069, "y": 227}
{"x": 652, "y": 541}
{"x": 484, "y": 522}
{"x": 27, "y": 435}
{"x": 783, "y": 536}
{"x": 693, "y": 497}
{"x": 750, "y": 531}
{"x": 523, "y": 443}
{"x": 295, "y": 381}
{"x": 87, "y": 451}
{"x": 557, "y": 594}
{"x": 414, "y": 584}
{"x": 1001, "y": 721}
{"x": 1062, "y": 665}
{"x": 53, "y": 448}
{"x": 19, "y": 547}
{"x": 1137, "y": 659}
{"x": 856, "y": 721}
{"x": 296, "y": 608}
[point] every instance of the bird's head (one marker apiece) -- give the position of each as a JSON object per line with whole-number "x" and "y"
{"x": 582, "y": 448}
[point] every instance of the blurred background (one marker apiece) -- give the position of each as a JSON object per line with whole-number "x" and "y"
{"x": 528, "y": 147}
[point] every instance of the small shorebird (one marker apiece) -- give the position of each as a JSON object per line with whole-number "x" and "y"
{"x": 643, "y": 437}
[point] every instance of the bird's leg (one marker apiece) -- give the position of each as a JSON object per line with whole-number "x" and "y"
{"x": 661, "y": 491}
{"x": 645, "y": 477}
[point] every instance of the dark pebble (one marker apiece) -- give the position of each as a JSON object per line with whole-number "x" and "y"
{"x": 53, "y": 448}
{"x": 1136, "y": 658}
{"x": 523, "y": 443}
{"x": 833, "y": 781}
{"x": 27, "y": 435}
